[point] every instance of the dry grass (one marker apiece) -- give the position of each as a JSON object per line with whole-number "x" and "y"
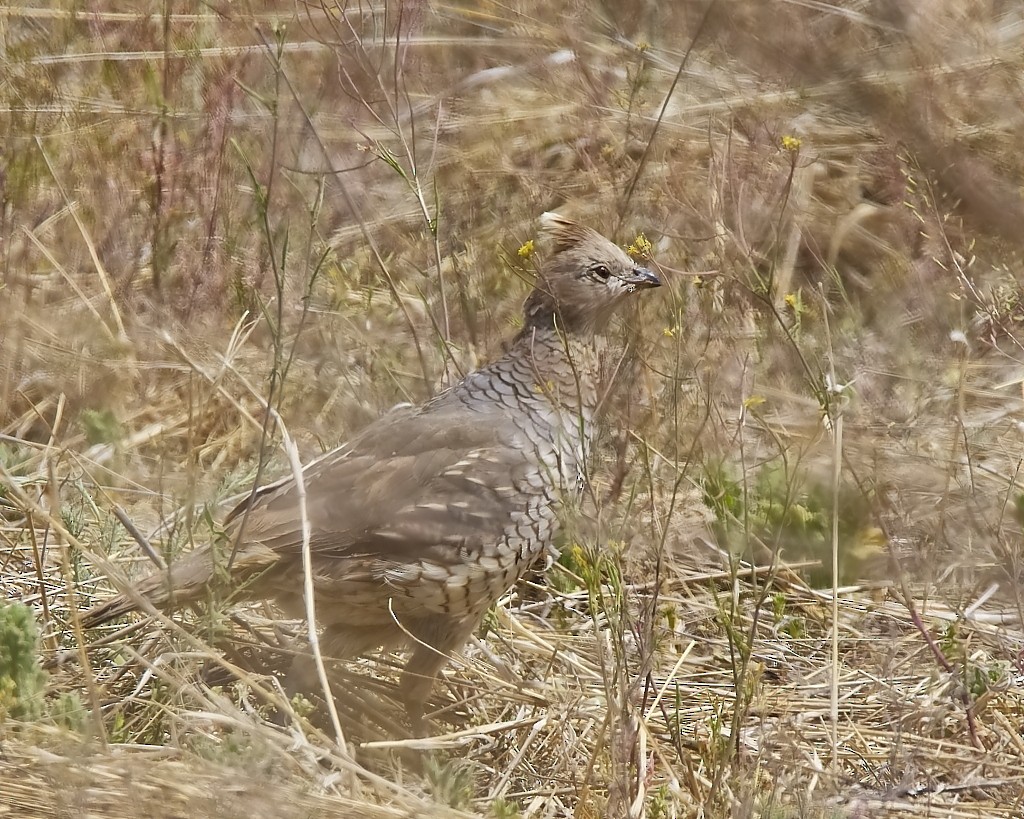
{"x": 318, "y": 209}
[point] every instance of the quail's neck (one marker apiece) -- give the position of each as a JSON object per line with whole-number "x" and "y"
{"x": 543, "y": 318}
{"x": 564, "y": 365}
{"x": 543, "y": 369}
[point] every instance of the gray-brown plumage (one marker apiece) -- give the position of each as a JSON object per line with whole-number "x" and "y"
{"x": 429, "y": 515}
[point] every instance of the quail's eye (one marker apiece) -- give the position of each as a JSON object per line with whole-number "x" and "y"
{"x": 600, "y": 271}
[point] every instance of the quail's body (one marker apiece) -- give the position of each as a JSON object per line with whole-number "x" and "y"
{"x": 422, "y": 521}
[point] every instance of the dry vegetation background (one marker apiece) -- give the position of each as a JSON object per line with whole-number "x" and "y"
{"x": 210, "y": 209}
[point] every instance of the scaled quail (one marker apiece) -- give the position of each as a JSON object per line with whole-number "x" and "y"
{"x": 429, "y": 515}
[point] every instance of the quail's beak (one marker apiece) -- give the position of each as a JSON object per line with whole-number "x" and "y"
{"x": 642, "y": 277}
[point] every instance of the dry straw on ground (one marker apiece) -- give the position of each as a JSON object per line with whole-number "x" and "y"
{"x": 320, "y": 209}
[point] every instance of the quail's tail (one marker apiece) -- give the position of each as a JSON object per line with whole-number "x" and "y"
{"x": 185, "y": 582}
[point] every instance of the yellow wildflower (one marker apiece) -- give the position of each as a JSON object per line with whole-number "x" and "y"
{"x": 641, "y": 247}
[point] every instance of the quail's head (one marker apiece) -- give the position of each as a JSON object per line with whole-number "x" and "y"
{"x": 584, "y": 280}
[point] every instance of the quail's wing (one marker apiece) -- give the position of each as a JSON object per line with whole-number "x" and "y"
{"x": 410, "y": 485}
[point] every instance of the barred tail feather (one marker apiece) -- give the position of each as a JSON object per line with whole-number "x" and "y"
{"x": 185, "y": 582}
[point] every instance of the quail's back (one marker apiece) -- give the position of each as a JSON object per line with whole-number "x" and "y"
{"x": 429, "y": 515}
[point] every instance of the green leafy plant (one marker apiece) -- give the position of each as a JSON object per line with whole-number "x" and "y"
{"x": 450, "y": 782}
{"x": 100, "y": 426}
{"x": 503, "y": 809}
{"x": 22, "y": 680}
